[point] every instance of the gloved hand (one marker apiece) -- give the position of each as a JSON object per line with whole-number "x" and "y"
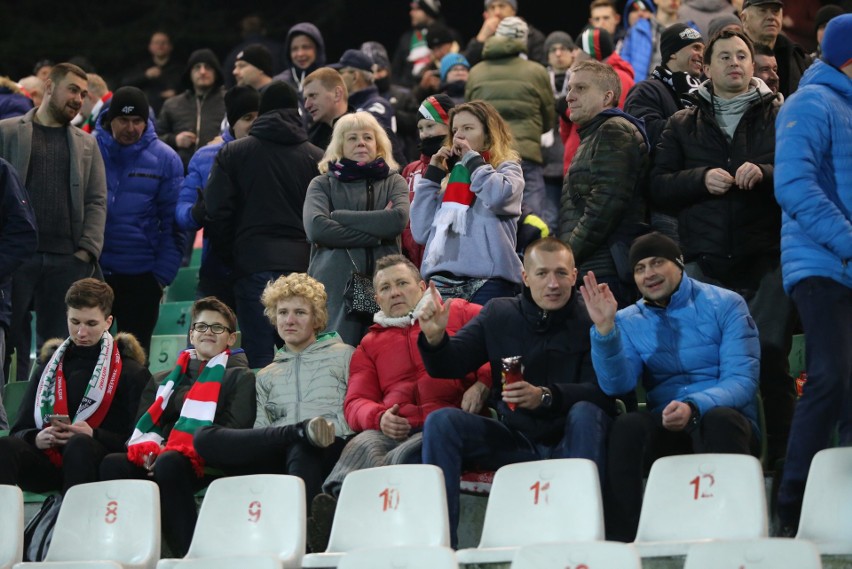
{"x": 199, "y": 210}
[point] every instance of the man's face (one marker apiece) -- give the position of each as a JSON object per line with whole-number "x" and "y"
{"x": 127, "y": 130}
{"x": 731, "y": 69}
{"x": 586, "y": 99}
{"x": 241, "y": 129}
{"x": 65, "y": 99}
{"x": 657, "y": 279}
{"x": 428, "y": 129}
{"x": 500, "y": 10}
{"x": 606, "y": 18}
{"x": 208, "y": 344}
{"x": 638, "y": 12}
{"x": 763, "y": 23}
{"x": 669, "y": 7}
{"x": 458, "y": 73}
{"x": 87, "y": 325}
{"x": 560, "y": 57}
{"x": 350, "y": 78}
{"x": 766, "y": 67}
{"x": 247, "y": 75}
{"x": 320, "y": 102}
{"x": 397, "y": 290}
{"x": 689, "y": 59}
{"x": 303, "y": 51}
{"x": 419, "y": 18}
{"x": 160, "y": 45}
{"x": 550, "y": 276}
{"x": 203, "y": 76}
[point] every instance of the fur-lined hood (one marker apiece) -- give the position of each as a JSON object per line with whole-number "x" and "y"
{"x": 128, "y": 347}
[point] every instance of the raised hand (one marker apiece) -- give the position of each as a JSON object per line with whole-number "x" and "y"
{"x": 433, "y": 316}
{"x": 440, "y": 158}
{"x": 600, "y": 303}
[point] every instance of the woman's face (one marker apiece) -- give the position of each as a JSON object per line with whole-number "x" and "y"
{"x": 467, "y": 127}
{"x": 360, "y": 145}
{"x": 295, "y": 322}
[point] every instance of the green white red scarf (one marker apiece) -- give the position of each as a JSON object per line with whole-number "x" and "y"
{"x": 52, "y": 392}
{"x": 419, "y": 53}
{"x": 198, "y": 410}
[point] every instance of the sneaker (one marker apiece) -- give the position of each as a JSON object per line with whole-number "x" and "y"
{"x": 320, "y": 432}
{"x": 320, "y": 522}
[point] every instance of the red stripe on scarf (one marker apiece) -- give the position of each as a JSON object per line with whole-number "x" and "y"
{"x": 208, "y": 391}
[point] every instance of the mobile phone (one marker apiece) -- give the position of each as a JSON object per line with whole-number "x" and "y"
{"x": 58, "y": 420}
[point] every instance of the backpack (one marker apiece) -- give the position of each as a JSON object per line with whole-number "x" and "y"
{"x": 39, "y": 530}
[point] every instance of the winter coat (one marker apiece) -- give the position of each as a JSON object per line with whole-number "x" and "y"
{"x": 654, "y": 102}
{"x": 554, "y": 346}
{"x": 792, "y": 63}
{"x": 293, "y": 75}
{"x": 641, "y": 46}
{"x": 350, "y": 218}
{"x": 413, "y": 173}
{"x": 369, "y": 100}
{"x": 13, "y": 103}
{"x": 168, "y": 79}
{"x": 702, "y": 12}
{"x": 187, "y": 112}
{"x": 387, "y": 370}
{"x": 702, "y": 347}
{"x": 256, "y": 193}
{"x": 18, "y": 234}
{"x": 520, "y": 91}
{"x": 813, "y": 178}
{"x": 143, "y": 181}
{"x": 534, "y": 48}
{"x": 298, "y": 386}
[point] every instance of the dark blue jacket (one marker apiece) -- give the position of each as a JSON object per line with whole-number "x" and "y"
{"x": 143, "y": 181}
{"x": 18, "y": 233}
{"x": 370, "y": 101}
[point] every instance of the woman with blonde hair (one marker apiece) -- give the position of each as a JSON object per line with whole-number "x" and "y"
{"x": 299, "y": 428}
{"x": 355, "y": 211}
{"x": 466, "y": 208}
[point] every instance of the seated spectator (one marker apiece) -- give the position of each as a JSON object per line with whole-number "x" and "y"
{"x": 81, "y": 402}
{"x": 210, "y": 385}
{"x": 695, "y": 348}
{"x": 470, "y": 230}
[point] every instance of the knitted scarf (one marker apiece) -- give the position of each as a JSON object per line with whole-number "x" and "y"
{"x": 347, "y": 170}
{"x": 52, "y": 392}
{"x": 681, "y": 83}
{"x": 419, "y": 53}
{"x": 89, "y": 124}
{"x": 452, "y": 214}
{"x": 198, "y": 410}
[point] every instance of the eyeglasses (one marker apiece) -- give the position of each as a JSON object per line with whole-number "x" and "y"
{"x": 204, "y": 326}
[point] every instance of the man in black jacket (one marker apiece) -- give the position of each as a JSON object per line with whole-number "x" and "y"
{"x": 555, "y": 409}
{"x": 254, "y": 201}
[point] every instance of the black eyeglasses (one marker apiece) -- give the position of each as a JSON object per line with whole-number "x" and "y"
{"x": 204, "y": 326}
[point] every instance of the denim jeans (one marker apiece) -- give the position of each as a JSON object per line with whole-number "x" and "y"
{"x": 454, "y": 439}
{"x": 259, "y": 337}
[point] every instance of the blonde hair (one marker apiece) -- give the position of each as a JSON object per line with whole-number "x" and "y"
{"x": 357, "y": 121}
{"x": 293, "y": 285}
{"x": 498, "y": 137}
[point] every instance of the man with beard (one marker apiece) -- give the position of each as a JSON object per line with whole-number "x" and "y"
{"x": 63, "y": 173}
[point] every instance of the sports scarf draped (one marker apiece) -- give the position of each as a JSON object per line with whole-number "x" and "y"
{"x": 52, "y": 391}
{"x": 198, "y": 410}
{"x": 419, "y": 54}
{"x": 452, "y": 214}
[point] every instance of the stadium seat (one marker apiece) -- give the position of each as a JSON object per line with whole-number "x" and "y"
{"x": 558, "y": 500}
{"x": 400, "y": 557}
{"x": 164, "y": 352}
{"x": 595, "y": 554}
{"x": 12, "y": 522}
{"x": 13, "y": 394}
{"x": 248, "y": 521}
{"x": 184, "y": 286}
{"x": 696, "y": 497}
{"x": 174, "y": 318}
{"x": 767, "y": 553}
{"x": 826, "y": 517}
{"x": 387, "y": 506}
{"x": 195, "y": 259}
{"x": 106, "y": 524}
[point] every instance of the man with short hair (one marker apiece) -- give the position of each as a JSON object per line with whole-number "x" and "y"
{"x": 158, "y": 77}
{"x": 326, "y": 99}
{"x": 98, "y": 96}
{"x": 253, "y": 67}
{"x": 495, "y": 12}
{"x": 554, "y": 408}
{"x": 604, "y": 15}
{"x": 714, "y": 167}
{"x": 695, "y": 348}
{"x": 766, "y": 67}
{"x": 63, "y": 173}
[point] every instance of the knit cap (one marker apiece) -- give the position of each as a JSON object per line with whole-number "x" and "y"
{"x": 257, "y": 55}
{"x": 451, "y": 60}
{"x": 240, "y": 101}
{"x": 278, "y": 95}
{"x": 596, "y": 42}
{"x": 377, "y": 53}
{"x": 438, "y": 34}
{"x": 718, "y": 24}
{"x": 675, "y": 38}
{"x": 560, "y": 38}
{"x": 436, "y": 108}
{"x": 128, "y": 102}
{"x": 655, "y": 245}
{"x": 825, "y": 14}
{"x": 431, "y": 7}
{"x": 512, "y": 3}
{"x": 513, "y": 27}
{"x": 836, "y": 46}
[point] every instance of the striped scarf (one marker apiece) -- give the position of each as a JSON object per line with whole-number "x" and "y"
{"x": 419, "y": 53}
{"x": 198, "y": 410}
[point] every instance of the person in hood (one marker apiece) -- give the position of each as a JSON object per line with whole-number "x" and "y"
{"x": 305, "y": 49}
{"x": 190, "y": 120}
{"x": 254, "y": 200}
{"x": 641, "y": 46}
{"x": 714, "y": 169}
{"x": 142, "y": 244}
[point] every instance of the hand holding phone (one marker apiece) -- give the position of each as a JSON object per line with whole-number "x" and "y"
{"x": 59, "y": 421}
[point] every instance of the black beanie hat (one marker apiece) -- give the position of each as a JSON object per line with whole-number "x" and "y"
{"x": 240, "y": 101}
{"x": 655, "y": 245}
{"x": 278, "y": 95}
{"x": 431, "y": 7}
{"x": 675, "y": 38}
{"x": 127, "y": 102}
{"x": 257, "y": 55}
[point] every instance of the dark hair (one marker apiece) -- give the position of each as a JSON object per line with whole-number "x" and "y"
{"x": 548, "y": 245}
{"x": 60, "y": 70}
{"x": 726, "y": 35}
{"x": 602, "y": 4}
{"x": 763, "y": 49}
{"x": 393, "y": 260}
{"x": 90, "y": 293}
{"x": 214, "y": 305}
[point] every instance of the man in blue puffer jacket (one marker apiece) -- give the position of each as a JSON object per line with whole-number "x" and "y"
{"x": 813, "y": 185}
{"x": 695, "y": 346}
{"x": 142, "y": 245}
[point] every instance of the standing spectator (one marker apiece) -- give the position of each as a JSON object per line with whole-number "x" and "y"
{"x": 454, "y": 72}
{"x": 254, "y": 201}
{"x": 813, "y": 185}
{"x": 63, "y": 173}
{"x": 326, "y": 100}
{"x": 560, "y": 57}
{"x": 668, "y": 12}
{"x": 766, "y": 67}
{"x": 823, "y": 16}
{"x": 43, "y": 68}
{"x": 412, "y": 52}
{"x": 253, "y": 67}
{"x": 604, "y": 15}
{"x": 13, "y": 101}
{"x": 702, "y": 12}
{"x": 159, "y": 77}
{"x": 641, "y": 46}
{"x": 495, "y": 12}
{"x": 34, "y": 88}
{"x": 253, "y": 31}
{"x": 98, "y": 96}
{"x": 142, "y": 245}
{"x": 190, "y": 120}
{"x": 305, "y": 53}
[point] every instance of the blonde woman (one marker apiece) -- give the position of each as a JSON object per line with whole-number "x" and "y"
{"x": 354, "y": 214}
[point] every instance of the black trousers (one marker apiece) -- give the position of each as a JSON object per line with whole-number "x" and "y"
{"x": 24, "y": 465}
{"x": 638, "y": 439}
{"x": 137, "y": 305}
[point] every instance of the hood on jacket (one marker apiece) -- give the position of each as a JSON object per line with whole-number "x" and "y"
{"x": 282, "y": 126}
{"x": 705, "y": 90}
{"x": 616, "y": 62}
{"x": 639, "y": 123}
{"x": 821, "y": 73}
{"x": 310, "y": 30}
{"x": 207, "y": 56}
{"x": 128, "y": 346}
{"x": 500, "y": 47}
{"x": 628, "y": 7}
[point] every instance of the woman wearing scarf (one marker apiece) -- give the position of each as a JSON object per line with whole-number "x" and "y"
{"x": 81, "y": 403}
{"x": 468, "y": 219}
{"x": 210, "y": 384}
{"x": 354, "y": 214}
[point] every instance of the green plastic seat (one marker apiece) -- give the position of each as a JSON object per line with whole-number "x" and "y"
{"x": 195, "y": 259}
{"x": 164, "y": 352}
{"x": 184, "y": 286}
{"x": 174, "y": 318}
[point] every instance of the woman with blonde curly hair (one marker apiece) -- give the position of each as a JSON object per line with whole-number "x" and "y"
{"x": 466, "y": 208}
{"x": 354, "y": 213}
{"x": 299, "y": 428}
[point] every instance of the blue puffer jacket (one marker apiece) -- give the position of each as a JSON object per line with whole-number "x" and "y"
{"x": 813, "y": 177}
{"x": 143, "y": 180}
{"x": 702, "y": 347}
